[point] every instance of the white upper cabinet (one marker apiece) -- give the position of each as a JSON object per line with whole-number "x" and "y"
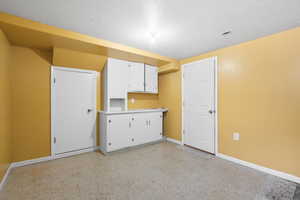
{"x": 117, "y": 78}
{"x": 136, "y": 81}
{"x": 121, "y": 77}
{"x": 151, "y": 79}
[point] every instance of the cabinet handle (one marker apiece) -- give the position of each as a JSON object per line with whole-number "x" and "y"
{"x": 149, "y": 122}
{"x": 129, "y": 124}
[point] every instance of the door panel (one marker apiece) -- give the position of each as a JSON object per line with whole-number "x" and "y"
{"x": 155, "y": 80}
{"x": 136, "y": 77}
{"x": 139, "y": 128}
{"x": 146, "y": 127}
{"x": 155, "y": 126}
{"x": 118, "y": 132}
{"x": 74, "y": 110}
{"x": 199, "y": 105}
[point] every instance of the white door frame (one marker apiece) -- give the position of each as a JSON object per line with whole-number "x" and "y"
{"x": 53, "y": 134}
{"x": 216, "y": 100}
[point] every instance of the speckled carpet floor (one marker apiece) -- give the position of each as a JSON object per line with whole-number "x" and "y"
{"x": 160, "y": 172}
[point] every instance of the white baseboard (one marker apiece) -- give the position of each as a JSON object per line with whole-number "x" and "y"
{"x": 173, "y": 140}
{"x": 47, "y": 158}
{"x": 4, "y": 179}
{"x": 73, "y": 153}
{"x": 261, "y": 168}
{"x": 30, "y": 162}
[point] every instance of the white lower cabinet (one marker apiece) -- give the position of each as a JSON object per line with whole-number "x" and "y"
{"x": 146, "y": 127}
{"x": 118, "y": 127}
{"x": 124, "y": 130}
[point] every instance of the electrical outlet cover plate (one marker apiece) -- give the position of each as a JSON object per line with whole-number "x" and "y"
{"x": 132, "y": 100}
{"x": 236, "y": 136}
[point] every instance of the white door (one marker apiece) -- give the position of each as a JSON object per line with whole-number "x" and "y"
{"x": 117, "y": 78}
{"x": 136, "y": 77}
{"x": 199, "y": 104}
{"x": 73, "y": 109}
{"x": 151, "y": 79}
{"x": 118, "y": 132}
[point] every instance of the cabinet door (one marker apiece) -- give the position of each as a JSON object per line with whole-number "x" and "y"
{"x": 118, "y": 129}
{"x": 117, "y": 72}
{"x": 151, "y": 79}
{"x": 154, "y": 130}
{"x": 139, "y": 128}
{"x": 136, "y": 77}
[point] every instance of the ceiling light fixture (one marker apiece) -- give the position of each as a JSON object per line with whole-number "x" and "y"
{"x": 153, "y": 36}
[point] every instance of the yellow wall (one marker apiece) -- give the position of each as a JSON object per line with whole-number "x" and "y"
{"x": 259, "y": 97}
{"x": 146, "y": 101}
{"x": 5, "y": 105}
{"x": 31, "y": 103}
{"x": 170, "y": 97}
{"x": 70, "y": 58}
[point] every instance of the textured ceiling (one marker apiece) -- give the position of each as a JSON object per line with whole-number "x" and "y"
{"x": 174, "y": 28}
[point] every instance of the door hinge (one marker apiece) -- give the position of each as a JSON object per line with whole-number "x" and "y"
{"x": 54, "y": 80}
{"x": 54, "y": 140}
{"x": 183, "y": 132}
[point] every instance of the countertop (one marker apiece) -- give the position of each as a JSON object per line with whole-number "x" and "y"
{"x": 134, "y": 111}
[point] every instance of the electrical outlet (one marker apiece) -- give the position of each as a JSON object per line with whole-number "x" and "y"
{"x": 132, "y": 100}
{"x": 236, "y": 136}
